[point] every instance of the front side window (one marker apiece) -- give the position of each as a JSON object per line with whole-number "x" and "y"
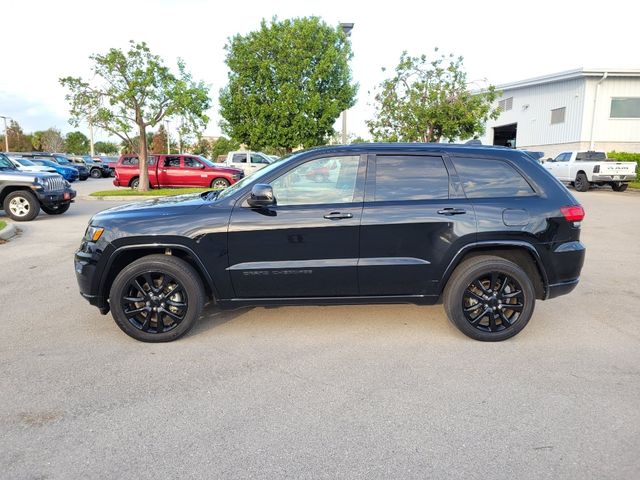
{"x": 256, "y": 158}
{"x": 625, "y": 107}
{"x": 563, "y": 157}
{"x": 410, "y": 178}
{"x": 190, "y": 162}
{"x": 484, "y": 178}
{"x": 239, "y": 158}
{"x": 320, "y": 181}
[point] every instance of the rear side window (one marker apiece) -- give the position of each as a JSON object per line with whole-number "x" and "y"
{"x": 133, "y": 161}
{"x": 483, "y": 178}
{"x": 410, "y": 178}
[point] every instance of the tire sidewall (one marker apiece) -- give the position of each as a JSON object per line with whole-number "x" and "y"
{"x": 175, "y": 267}
{"x": 226, "y": 182}
{"x": 471, "y": 270}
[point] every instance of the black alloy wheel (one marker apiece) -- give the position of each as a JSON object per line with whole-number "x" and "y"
{"x": 157, "y": 298}
{"x": 493, "y": 302}
{"x": 155, "y": 302}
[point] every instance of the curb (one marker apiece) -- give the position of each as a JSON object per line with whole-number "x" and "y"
{"x": 7, "y": 232}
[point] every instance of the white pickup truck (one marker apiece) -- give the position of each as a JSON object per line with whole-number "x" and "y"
{"x": 583, "y": 169}
{"x": 248, "y": 162}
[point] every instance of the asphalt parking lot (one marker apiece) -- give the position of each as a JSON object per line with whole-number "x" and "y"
{"x": 320, "y": 392}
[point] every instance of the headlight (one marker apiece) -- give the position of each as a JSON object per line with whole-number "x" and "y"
{"x": 93, "y": 234}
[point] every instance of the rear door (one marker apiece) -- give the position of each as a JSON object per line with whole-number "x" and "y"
{"x": 414, "y": 216}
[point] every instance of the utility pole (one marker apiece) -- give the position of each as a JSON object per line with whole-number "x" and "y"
{"x": 91, "y": 149}
{"x": 346, "y": 28}
{"x": 6, "y": 133}
{"x": 166, "y": 122}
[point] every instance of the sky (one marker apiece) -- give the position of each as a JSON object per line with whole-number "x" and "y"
{"x": 501, "y": 41}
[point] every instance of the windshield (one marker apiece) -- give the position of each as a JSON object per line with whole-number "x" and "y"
{"x": 206, "y": 161}
{"x": 25, "y": 162}
{"x": 62, "y": 160}
{"x": 251, "y": 178}
{"x": 5, "y": 163}
{"x": 48, "y": 163}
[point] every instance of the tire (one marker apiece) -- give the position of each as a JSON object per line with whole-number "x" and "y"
{"x": 57, "y": 210}
{"x": 166, "y": 274}
{"x": 619, "y": 186}
{"x": 96, "y": 173}
{"x": 220, "y": 183}
{"x": 21, "y": 206}
{"x": 134, "y": 183}
{"x": 491, "y": 321}
{"x": 581, "y": 183}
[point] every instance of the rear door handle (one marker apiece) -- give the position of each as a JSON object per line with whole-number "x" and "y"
{"x": 452, "y": 211}
{"x": 337, "y": 216}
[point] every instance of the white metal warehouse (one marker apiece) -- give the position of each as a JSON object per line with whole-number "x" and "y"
{"x": 584, "y": 109}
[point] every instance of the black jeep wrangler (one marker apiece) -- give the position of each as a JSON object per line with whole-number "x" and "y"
{"x": 485, "y": 230}
{"x": 23, "y": 194}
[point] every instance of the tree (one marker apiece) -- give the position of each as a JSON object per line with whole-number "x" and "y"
{"x": 202, "y": 147}
{"x": 288, "y": 83}
{"x": 77, "y": 142}
{"x": 222, "y": 146}
{"x": 159, "y": 140}
{"x": 18, "y": 141}
{"x": 52, "y": 140}
{"x": 106, "y": 147}
{"x": 429, "y": 100}
{"x": 131, "y": 146}
{"x": 133, "y": 90}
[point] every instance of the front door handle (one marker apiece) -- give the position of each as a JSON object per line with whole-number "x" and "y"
{"x": 452, "y": 211}
{"x": 337, "y": 216}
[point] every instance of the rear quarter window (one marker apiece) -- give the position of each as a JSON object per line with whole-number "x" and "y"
{"x": 485, "y": 178}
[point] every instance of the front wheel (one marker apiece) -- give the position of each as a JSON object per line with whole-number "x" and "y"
{"x": 581, "y": 183}
{"x": 157, "y": 298}
{"x": 21, "y": 206}
{"x": 96, "y": 173}
{"x": 619, "y": 186}
{"x": 489, "y": 298}
{"x": 56, "y": 209}
{"x": 220, "y": 183}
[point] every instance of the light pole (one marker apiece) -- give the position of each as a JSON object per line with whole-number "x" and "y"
{"x": 346, "y": 29}
{"x": 6, "y": 133}
{"x": 166, "y": 122}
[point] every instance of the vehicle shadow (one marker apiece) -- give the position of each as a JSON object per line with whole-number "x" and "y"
{"x": 213, "y": 316}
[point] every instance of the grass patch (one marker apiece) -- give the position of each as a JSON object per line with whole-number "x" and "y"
{"x": 634, "y": 185}
{"x": 2, "y": 224}
{"x": 156, "y": 192}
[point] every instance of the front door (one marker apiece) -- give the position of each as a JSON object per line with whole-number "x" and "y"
{"x": 307, "y": 244}
{"x": 412, "y": 220}
{"x": 169, "y": 171}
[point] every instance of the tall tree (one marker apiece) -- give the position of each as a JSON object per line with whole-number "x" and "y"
{"x": 288, "y": 83}
{"x": 106, "y": 147}
{"x": 159, "y": 141}
{"x": 133, "y": 90}
{"x": 222, "y": 146}
{"x": 77, "y": 142}
{"x": 427, "y": 100}
{"x": 52, "y": 140}
{"x": 18, "y": 141}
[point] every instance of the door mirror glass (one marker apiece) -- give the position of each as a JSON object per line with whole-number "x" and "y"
{"x": 261, "y": 195}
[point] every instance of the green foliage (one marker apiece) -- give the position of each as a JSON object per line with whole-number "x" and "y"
{"x": 130, "y": 91}
{"x": 288, "y": 83}
{"x": 106, "y": 148}
{"x": 222, "y": 146}
{"x": 132, "y": 146}
{"x": 429, "y": 100}
{"x": 202, "y": 147}
{"x": 77, "y": 142}
{"x": 358, "y": 139}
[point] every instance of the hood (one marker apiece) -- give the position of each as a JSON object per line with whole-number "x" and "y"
{"x": 229, "y": 170}
{"x": 25, "y": 176}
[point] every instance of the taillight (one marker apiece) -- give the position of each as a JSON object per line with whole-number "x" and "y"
{"x": 573, "y": 213}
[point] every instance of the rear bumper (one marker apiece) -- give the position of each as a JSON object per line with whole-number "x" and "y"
{"x": 563, "y": 288}
{"x": 567, "y": 260}
{"x": 613, "y": 178}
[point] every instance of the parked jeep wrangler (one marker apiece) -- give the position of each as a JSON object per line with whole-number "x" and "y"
{"x": 485, "y": 230}
{"x": 23, "y": 194}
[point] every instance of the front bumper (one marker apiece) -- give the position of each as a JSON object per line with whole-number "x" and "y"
{"x": 613, "y": 178}
{"x": 60, "y": 197}
{"x": 85, "y": 265}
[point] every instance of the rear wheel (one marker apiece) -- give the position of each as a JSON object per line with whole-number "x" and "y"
{"x": 220, "y": 183}
{"x": 157, "y": 298}
{"x": 134, "y": 183}
{"x": 96, "y": 173}
{"x": 581, "y": 183}
{"x": 56, "y": 209}
{"x": 21, "y": 206}
{"x": 619, "y": 186}
{"x": 489, "y": 298}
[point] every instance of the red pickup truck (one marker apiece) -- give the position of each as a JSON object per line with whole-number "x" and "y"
{"x": 175, "y": 171}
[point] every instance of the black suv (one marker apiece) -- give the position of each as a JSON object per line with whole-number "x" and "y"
{"x": 485, "y": 230}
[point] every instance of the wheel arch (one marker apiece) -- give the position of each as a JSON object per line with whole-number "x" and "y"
{"x": 14, "y": 188}
{"x": 521, "y": 253}
{"x": 124, "y": 255}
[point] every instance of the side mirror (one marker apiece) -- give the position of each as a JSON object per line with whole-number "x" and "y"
{"x": 261, "y": 195}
